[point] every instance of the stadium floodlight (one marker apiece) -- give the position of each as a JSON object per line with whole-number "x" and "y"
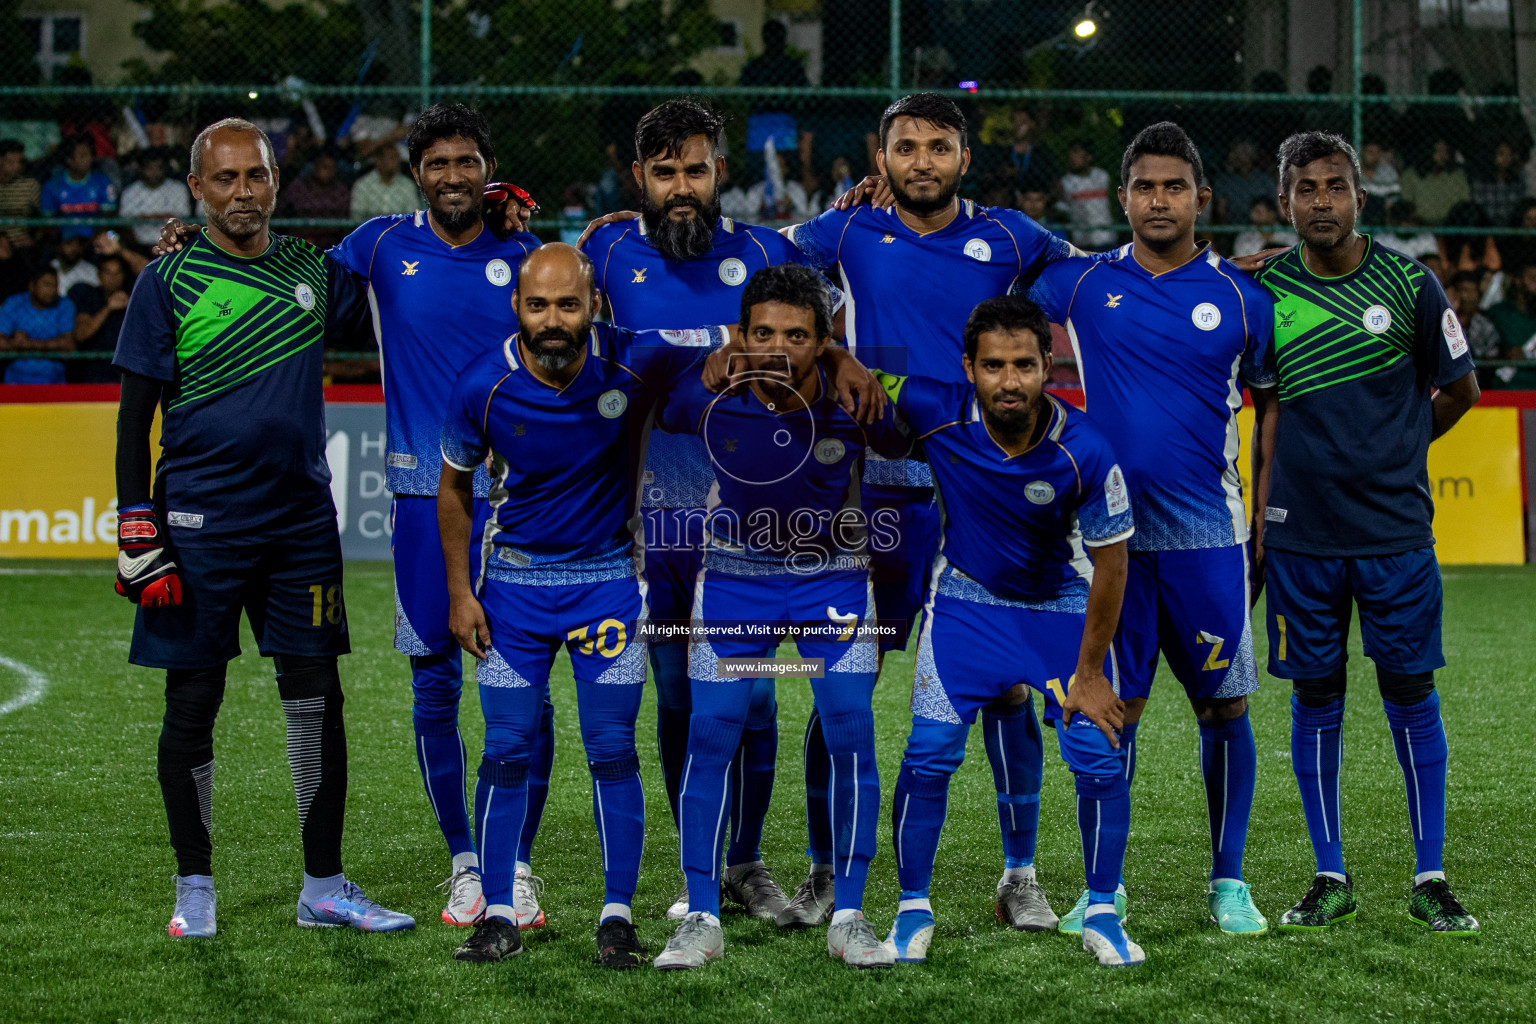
{"x": 1085, "y": 28}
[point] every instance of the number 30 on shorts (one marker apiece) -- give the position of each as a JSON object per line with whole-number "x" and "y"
{"x": 607, "y": 637}
{"x": 325, "y": 604}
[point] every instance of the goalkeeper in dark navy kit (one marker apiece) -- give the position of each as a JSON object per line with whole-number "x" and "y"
{"x": 226, "y": 337}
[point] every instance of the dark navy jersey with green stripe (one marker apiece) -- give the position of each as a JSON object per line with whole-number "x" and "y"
{"x": 239, "y": 343}
{"x": 1356, "y": 358}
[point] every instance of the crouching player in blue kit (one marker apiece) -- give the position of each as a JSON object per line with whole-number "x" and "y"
{"x": 785, "y": 547}
{"x": 227, "y": 337}
{"x": 563, "y": 408}
{"x": 1026, "y": 484}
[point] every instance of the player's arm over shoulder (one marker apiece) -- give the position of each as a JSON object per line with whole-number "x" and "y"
{"x": 923, "y": 403}
{"x": 820, "y": 238}
{"x": 683, "y": 410}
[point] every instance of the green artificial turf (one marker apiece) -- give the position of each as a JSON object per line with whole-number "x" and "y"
{"x": 87, "y": 869}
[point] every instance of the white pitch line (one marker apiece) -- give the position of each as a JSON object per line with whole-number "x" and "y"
{"x": 30, "y": 693}
{"x": 18, "y": 571}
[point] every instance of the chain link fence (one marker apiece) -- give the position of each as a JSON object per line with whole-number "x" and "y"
{"x": 1429, "y": 90}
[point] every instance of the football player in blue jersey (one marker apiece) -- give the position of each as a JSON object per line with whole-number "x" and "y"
{"x": 564, "y": 407}
{"x": 679, "y": 264}
{"x": 1166, "y": 334}
{"x": 786, "y": 548}
{"x": 407, "y": 262}
{"x": 910, "y": 275}
{"x": 1027, "y": 483}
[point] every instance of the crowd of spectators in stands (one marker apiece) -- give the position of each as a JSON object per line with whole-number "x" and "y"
{"x": 1433, "y": 178}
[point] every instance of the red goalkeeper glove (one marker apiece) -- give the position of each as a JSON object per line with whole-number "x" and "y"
{"x": 146, "y": 575}
{"x": 497, "y": 195}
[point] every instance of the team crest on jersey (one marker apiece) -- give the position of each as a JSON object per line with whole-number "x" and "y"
{"x": 1116, "y": 498}
{"x": 1455, "y": 337}
{"x": 978, "y": 249}
{"x": 1039, "y": 492}
{"x": 1206, "y": 316}
{"x": 1377, "y": 319}
{"x": 498, "y": 273}
{"x": 829, "y": 451}
{"x": 304, "y": 295}
{"x": 733, "y": 271}
{"x": 612, "y": 403}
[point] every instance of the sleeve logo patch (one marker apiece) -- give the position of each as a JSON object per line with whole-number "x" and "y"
{"x": 977, "y": 249}
{"x": 1377, "y": 319}
{"x": 697, "y": 337}
{"x": 304, "y": 295}
{"x": 733, "y": 271}
{"x": 1039, "y": 492}
{"x": 189, "y": 520}
{"x": 399, "y": 461}
{"x": 1275, "y": 515}
{"x": 830, "y": 451}
{"x": 1117, "y": 497}
{"x": 1455, "y": 337}
{"x": 611, "y": 404}
{"x": 1206, "y": 316}
{"x": 498, "y": 273}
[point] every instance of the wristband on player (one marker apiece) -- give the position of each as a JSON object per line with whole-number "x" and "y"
{"x": 146, "y": 575}
{"x": 496, "y": 195}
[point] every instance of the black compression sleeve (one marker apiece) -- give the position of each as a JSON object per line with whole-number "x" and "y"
{"x": 135, "y": 417}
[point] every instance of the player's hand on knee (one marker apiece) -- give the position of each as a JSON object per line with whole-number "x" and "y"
{"x": 508, "y": 209}
{"x": 1092, "y": 696}
{"x": 173, "y": 235}
{"x": 146, "y": 573}
{"x": 874, "y": 190}
{"x": 467, "y": 622}
{"x": 604, "y": 221}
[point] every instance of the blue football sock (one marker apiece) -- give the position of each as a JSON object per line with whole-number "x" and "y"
{"x": 618, "y": 810}
{"x": 704, "y": 807}
{"x": 1419, "y": 736}
{"x": 1128, "y": 742}
{"x": 538, "y": 782}
{"x": 1317, "y": 754}
{"x": 1017, "y": 755}
{"x": 917, "y": 817}
{"x": 1230, "y": 763}
{"x": 854, "y": 804}
{"x": 435, "y": 681}
{"x": 669, "y": 667}
{"x": 818, "y": 768}
{"x": 751, "y": 791}
{"x": 501, "y": 801}
{"x": 1104, "y": 821}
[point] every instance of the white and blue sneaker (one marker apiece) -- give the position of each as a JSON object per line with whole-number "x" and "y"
{"x": 911, "y": 934}
{"x": 195, "y": 903}
{"x": 346, "y": 907}
{"x": 1105, "y": 938}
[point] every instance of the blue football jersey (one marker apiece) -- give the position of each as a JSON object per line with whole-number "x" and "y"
{"x": 648, "y": 292}
{"x": 786, "y": 497}
{"x": 1163, "y": 358}
{"x": 564, "y": 477}
{"x": 1015, "y": 527}
{"x": 435, "y": 308}
{"x": 908, "y": 295}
